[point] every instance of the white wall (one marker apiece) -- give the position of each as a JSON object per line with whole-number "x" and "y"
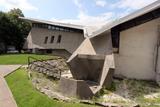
{"x": 136, "y": 58}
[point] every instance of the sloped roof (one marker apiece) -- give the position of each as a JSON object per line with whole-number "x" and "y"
{"x": 107, "y": 27}
{"x": 32, "y": 20}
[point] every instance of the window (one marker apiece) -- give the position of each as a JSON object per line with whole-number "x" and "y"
{"x": 40, "y": 25}
{"x": 66, "y": 29}
{"x": 52, "y": 39}
{"x": 43, "y": 25}
{"x": 53, "y": 28}
{"x": 57, "y": 28}
{"x": 61, "y": 29}
{"x": 49, "y": 27}
{"x": 59, "y": 39}
{"x": 46, "y": 26}
{"x": 33, "y": 25}
{"x": 49, "y": 51}
{"x": 46, "y": 39}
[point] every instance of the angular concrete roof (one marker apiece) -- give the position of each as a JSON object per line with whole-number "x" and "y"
{"x": 106, "y": 28}
{"x": 88, "y": 30}
{"x": 32, "y": 20}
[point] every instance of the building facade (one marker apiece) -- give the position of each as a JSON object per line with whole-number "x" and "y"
{"x": 52, "y": 38}
{"x": 126, "y": 48}
{"x": 132, "y": 41}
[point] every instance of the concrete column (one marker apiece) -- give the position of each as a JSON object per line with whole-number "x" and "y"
{"x": 158, "y": 58}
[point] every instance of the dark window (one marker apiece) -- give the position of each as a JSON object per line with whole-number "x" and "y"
{"x": 48, "y": 51}
{"x": 46, "y": 39}
{"x": 33, "y": 25}
{"x": 36, "y": 25}
{"x": 67, "y": 30}
{"x": 40, "y": 25}
{"x": 52, "y": 39}
{"x": 59, "y": 39}
{"x": 46, "y": 26}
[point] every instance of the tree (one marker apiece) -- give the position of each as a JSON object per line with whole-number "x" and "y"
{"x": 5, "y": 26}
{"x": 16, "y": 12}
{"x": 12, "y": 29}
{"x": 21, "y": 28}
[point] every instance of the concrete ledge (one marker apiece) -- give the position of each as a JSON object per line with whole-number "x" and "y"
{"x": 75, "y": 88}
{"x": 93, "y": 57}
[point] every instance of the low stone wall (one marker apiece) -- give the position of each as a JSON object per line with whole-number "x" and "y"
{"x": 53, "y": 68}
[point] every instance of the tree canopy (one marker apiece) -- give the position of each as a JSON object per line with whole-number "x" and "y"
{"x": 12, "y": 29}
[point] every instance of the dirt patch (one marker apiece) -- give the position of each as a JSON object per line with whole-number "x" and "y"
{"x": 131, "y": 92}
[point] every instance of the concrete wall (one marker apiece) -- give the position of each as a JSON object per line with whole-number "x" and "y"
{"x": 102, "y": 44}
{"x": 136, "y": 58}
{"x": 75, "y": 88}
{"x": 69, "y": 41}
{"x": 87, "y": 62}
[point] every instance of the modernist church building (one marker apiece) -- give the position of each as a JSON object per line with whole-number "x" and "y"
{"x": 53, "y": 37}
{"x": 133, "y": 42}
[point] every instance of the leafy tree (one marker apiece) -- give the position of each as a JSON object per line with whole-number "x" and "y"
{"x": 16, "y": 12}
{"x": 12, "y": 29}
{"x": 21, "y": 27}
{"x": 5, "y": 26}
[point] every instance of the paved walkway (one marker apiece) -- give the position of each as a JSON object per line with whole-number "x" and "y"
{"x": 6, "y": 97}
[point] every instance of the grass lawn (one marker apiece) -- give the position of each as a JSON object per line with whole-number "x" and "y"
{"x": 20, "y": 58}
{"x": 27, "y": 96}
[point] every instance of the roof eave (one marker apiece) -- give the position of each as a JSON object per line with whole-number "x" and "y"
{"x": 53, "y": 23}
{"x": 131, "y": 16}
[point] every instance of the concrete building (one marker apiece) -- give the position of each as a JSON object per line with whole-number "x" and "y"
{"x": 52, "y": 37}
{"x": 135, "y": 42}
{"x": 128, "y": 47}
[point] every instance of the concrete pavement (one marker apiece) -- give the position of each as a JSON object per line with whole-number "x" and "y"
{"x": 6, "y": 97}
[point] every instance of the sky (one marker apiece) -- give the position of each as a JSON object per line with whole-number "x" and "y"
{"x": 84, "y": 12}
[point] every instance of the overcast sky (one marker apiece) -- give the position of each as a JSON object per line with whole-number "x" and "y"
{"x": 90, "y": 12}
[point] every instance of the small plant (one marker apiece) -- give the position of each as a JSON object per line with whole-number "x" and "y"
{"x": 112, "y": 87}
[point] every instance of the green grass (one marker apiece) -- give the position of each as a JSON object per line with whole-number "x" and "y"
{"x": 27, "y": 96}
{"x": 20, "y": 58}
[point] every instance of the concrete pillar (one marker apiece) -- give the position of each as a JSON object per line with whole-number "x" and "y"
{"x": 158, "y": 58}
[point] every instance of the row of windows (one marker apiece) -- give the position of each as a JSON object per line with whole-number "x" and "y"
{"x": 52, "y": 39}
{"x": 58, "y": 28}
